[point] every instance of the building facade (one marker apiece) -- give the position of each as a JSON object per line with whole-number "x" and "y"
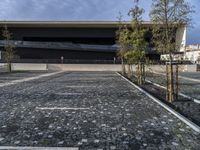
{"x": 72, "y": 40}
{"x": 192, "y": 53}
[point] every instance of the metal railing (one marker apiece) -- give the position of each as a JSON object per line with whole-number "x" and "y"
{"x": 65, "y": 61}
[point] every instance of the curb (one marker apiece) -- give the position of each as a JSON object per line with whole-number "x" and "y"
{"x": 175, "y": 113}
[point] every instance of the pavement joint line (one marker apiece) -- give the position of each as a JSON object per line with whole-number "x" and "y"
{"x": 175, "y": 113}
{"x": 187, "y": 78}
{"x": 79, "y": 86}
{"x": 36, "y": 148}
{"x": 180, "y": 93}
{"x": 29, "y": 79}
{"x": 61, "y": 108}
{"x": 69, "y": 94}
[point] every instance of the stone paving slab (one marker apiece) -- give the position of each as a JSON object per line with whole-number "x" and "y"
{"x": 118, "y": 116}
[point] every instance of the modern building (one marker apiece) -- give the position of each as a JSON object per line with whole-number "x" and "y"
{"x": 48, "y": 41}
{"x": 192, "y": 53}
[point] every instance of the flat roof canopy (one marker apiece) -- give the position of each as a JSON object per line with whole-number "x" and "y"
{"x": 68, "y": 24}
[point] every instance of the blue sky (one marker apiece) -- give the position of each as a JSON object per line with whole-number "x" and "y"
{"x": 83, "y": 10}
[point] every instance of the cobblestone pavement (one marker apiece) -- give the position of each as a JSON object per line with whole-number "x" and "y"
{"x": 89, "y": 110}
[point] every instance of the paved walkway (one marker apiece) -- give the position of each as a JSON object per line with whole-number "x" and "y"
{"x": 89, "y": 110}
{"x": 191, "y": 75}
{"x": 187, "y": 83}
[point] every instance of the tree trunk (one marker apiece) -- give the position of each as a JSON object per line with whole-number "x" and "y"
{"x": 177, "y": 82}
{"x": 9, "y": 67}
{"x": 140, "y": 79}
{"x": 137, "y": 73}
{"x": 129, "y": 71}
{"x": 171, "y": 94}
{"x": 167, "y": 82}
{"x": 144, "y": 74}
{"x": 123, "y": 67}
{"x": 172, "y": 84}
{"x": 141, "y": 73}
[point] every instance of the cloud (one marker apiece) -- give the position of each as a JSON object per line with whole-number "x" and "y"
{"x": 81, "y": 10}
{"x": 62, "y": 9}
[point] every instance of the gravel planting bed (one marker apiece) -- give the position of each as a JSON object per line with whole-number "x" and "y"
{"x": 110, "y": 114}
{"x": 185, "y": 106}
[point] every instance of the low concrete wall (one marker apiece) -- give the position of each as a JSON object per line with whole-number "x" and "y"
{"x": 28, "y": 67}
{"x": 151, "y": 68}
{"x": 182, "y": 68}
{"x": 92, "y": 67}
{"x": 191, "y": 68}
{"x": 100, "y": 67}
{"x": 2, "y": 65}
{"x": 85, "y": 67}
{"x": 156, "y": 68}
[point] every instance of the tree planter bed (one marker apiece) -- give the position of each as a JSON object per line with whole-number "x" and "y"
{"x": 184, "y": 106}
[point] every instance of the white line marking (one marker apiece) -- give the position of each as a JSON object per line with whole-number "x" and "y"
{"x": 36, "y": 148}
{"x": 60, "y": 108}
{"x": 175, "y": 113}
{"x": 29, "y": 79}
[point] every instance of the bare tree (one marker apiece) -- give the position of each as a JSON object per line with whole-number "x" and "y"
{"x": 132, "y": 43}
{"x": 9, "y": 52}
{"x": 136, "y": 55}
{"x": 168, "y": 15}
{"x": 121, "y": 38}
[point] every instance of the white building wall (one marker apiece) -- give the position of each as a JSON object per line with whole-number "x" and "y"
{"x": 192, "y": 55}
{"x": 175, "y": 57}
{"x": 181, "y": 37}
